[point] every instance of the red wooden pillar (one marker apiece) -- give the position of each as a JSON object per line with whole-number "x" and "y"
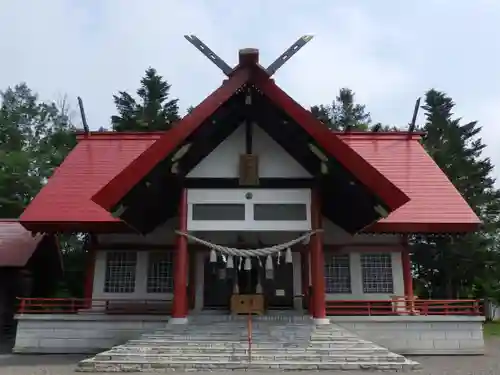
{"x": 407, "y": 276}
{"x": 180, "y": 302}
{"x": 317, "y": 261}
{"x": 88, "y": 287}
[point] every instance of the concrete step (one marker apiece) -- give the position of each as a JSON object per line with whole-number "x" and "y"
{"x": 120, "y": 366}
{"x": 229, "y": 331}
{"x": 241, "y": 320}
{"x": 244, "y": 344}
{"x": 215, "y": 333}
{"x": 242, "y": 338}
{"x": 245, "y": 334}
{"x": 218, "y": 357}
{"x": 224, "y": 345}
{"x": 226, "y": 330}
{"x": 331, "y": 334}
{"x": 244, "y": 323}
{"x": 195, "y": 350}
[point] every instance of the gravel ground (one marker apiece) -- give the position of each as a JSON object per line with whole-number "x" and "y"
{"x": 456, "y": 365}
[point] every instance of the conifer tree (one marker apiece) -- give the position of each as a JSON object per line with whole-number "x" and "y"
{"x": 344, "y": 113}
{"x": 452, "y": 266}
{"x": 154, "y": 111}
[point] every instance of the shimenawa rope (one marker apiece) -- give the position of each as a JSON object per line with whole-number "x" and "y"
{"x": 249, "y": 252}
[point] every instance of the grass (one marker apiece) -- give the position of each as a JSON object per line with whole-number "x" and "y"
{"x": 492, "y": 329}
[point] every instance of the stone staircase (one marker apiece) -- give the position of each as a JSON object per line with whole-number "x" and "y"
{"x": 221, "y": 342}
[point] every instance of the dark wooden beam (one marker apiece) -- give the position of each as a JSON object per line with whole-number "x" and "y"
{"x": 412, "y": 125}
{"x": 264, "y": 183}
{"x": 248, "y": 137}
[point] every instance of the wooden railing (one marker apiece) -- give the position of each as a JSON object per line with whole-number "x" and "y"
{"x": 398, "y": 306}
{"x": 403, "y": 306}
{"x": 108, "y": 306}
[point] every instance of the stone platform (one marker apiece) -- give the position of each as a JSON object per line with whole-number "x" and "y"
{"x": 217, "y": 342}
{"x": 96, "y": 332}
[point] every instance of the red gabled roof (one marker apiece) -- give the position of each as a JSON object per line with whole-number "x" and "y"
{"x": 434, "y": 206}
{"x": 132, "y": 174}
{"x": 65, "y": 201}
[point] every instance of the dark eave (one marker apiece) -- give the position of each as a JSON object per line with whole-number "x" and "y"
{"x": 367, "y": 174}
{"x": 345, "y": 200}
{"x": 145, "y": 193}
{"x": 120, "y": 185}
{"x": 153, "y": 200}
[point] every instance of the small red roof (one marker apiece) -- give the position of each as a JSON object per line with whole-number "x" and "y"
{"x": 434, "y": 206}
{"x": 17, "y": 245}
{"x": 65, "y": 201}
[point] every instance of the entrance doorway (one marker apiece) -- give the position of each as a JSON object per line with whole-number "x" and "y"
{"x": 217, "y": 285}
{"x": 277, "y": 285}
{"x": 278, "y": 290}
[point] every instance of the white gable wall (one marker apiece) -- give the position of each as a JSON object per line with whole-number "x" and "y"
{"x": 274, "y": 161}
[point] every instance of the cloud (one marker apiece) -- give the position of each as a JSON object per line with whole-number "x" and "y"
{"x": 96, "y": 48}
{"x": 389, "y": 52}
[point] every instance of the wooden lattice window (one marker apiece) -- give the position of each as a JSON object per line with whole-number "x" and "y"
{"x": 338, "y": 273}
{"x": 160, "y": 272}
{"x": 377, "y": 273}
{"x": 120, "y": 271}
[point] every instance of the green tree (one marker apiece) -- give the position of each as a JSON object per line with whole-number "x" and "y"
{"x": 344, "y": 113}
{"x": 379, "y": 127}
{"x": 34, "y": 139}
{"x": 452, "y": 266}
{"x": 154, "y": 111}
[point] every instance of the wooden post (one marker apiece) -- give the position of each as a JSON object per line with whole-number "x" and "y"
{"x": 407, "y": 276}
{"x": 180, "y": 302}
{"x": 317, "y": 261}
{"x": 88, "y": 287}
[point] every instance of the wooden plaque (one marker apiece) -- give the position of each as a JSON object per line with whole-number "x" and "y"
{"x": 249, "y": 170}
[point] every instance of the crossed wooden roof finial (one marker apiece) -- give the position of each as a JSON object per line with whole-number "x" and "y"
{"x": 226, "y": 69}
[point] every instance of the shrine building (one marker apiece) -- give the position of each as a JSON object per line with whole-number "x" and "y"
{"x": 249, "y": 204}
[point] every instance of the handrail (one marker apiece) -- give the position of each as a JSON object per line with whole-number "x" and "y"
{"x": 395, "y": 306}
{"x": 109, "y": 305}
{"x": 404, "y": 306}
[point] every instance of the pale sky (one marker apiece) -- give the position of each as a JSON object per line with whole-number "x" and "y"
{"x": 389, "y": 52}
